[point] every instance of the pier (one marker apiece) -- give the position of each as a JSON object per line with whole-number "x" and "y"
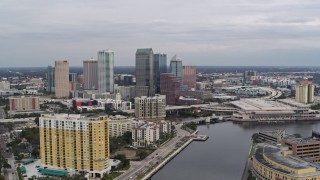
{"x": 200, "y": 138}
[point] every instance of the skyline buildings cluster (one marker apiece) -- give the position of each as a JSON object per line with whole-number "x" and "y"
{"x": 98, "y": 75}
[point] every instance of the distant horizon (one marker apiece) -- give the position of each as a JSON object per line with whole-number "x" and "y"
{"x": 224, "y": 33}
{"x": 292, "y": 66}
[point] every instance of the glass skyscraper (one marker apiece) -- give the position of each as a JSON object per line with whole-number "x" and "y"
{"x": 176, "y": 68}
{"x": 105, "y": 71}
{"x": 144, "y": 72}
{"x": 50, "y": 79}
{"x": 160, "y": 66}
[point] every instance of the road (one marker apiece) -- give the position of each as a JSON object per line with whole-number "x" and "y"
{"x": 9, "y": 174}
{"x": 274, "y": 93}
{"x": 154, "y": 158}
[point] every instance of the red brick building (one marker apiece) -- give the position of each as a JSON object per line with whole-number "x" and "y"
{"x": 170, "y": 86}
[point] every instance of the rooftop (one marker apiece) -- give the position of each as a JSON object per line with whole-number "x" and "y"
{"x": 144, "y": 50}
{"x": 294, "y": 162}
{"x": 294, "y": 103}
{"x": 294, "y": 140}
{"x": 275, "y": 133}
{"x": 261, "y": 105}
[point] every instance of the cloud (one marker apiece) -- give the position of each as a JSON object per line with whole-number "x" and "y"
{"x": 43, "y": 31}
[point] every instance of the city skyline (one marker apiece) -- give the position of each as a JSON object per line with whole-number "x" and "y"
{"x": 208, "y": 33}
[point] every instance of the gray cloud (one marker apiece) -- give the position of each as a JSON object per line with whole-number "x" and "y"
{"x": 213, "y": 32}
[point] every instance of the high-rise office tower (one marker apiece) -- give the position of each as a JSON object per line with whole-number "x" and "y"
{"x": 159, "y": 66}
{"x": 75, "y": 142}
{"x": 50, "y": 79}
{"x": 62, "y": 79}
{"x": 90, "y": 73}
{"x": 305, "y": 92}
{"x": 189, "y": 76}
{"x": 176, "y": 68}
{"x": 105, "y": 71}
{"x": 144, "y": 71}
{"x": 170, "y": 87}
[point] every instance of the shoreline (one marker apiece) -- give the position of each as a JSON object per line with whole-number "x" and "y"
{"x": 170, "y": 157}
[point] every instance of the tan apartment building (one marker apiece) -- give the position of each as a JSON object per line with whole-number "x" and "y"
{"x": 75, "y": 142}
{"x": 150, "y": 108}
{"x": 305, "y": 92}
{"x": 118, "y": 125}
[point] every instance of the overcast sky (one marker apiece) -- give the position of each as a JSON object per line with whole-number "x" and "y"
{"x": 201, "y": 32}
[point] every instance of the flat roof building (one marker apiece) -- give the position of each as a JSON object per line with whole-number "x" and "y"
{"x": 61, "y": 79}
{"x": 144, "y": 71}
{"x": 105, "y": 71}
{"x": 307, "y": 148}
{"x": 170, "y": 87}
{"x": 189, "y": 76}
{"x": 90, "y": 74}
{"x": 278, "y": 162}
{"x": 150, "y": 108}
{"x": 24, "y": 103}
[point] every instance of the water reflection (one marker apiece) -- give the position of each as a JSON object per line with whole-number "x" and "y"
{"x": 224, "y": 154}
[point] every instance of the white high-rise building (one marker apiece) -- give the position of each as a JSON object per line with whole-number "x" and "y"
{"x": 105, "y": 71}
{"x": 90, "y": 74}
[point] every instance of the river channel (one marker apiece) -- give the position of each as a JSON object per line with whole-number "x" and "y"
{"x": 223, "y": 155}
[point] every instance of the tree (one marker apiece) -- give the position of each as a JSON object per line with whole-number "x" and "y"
{"x": 142, "y": 154}
{"x": 124, "y": 161}
{"x": 127, "y": 137}
{"x": 297, "y": 135}
{"x": 36, "y": 120}
{"x": 10, "y": 126}
{"x": 35, "y": 152}
{"x": 6, "y": 165}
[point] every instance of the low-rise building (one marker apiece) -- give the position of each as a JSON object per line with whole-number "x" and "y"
{"x": 4, "y": 85}
{"x": 279, "y": 162}
{"x": 146, "y": 133}
{"x": 272, "y": 137}
{"x": 307, "y": 148}
{"x": 24, "y": 103}
{"x": 165, "y": 126}
{"x": 203, "y": 95}
{"x": 118, "y": 125}
{"x": 268, "y": 110}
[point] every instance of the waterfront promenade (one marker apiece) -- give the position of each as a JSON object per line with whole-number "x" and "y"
{"x": 146, "y": 168}
{"x": 139, "y": 169}
{"x": 150, "y": 165}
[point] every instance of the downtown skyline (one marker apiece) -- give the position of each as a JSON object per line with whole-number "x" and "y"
{"x": 208, "y": 33}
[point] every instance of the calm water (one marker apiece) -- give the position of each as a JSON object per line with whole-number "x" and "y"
{"x": 223, "y": 155}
